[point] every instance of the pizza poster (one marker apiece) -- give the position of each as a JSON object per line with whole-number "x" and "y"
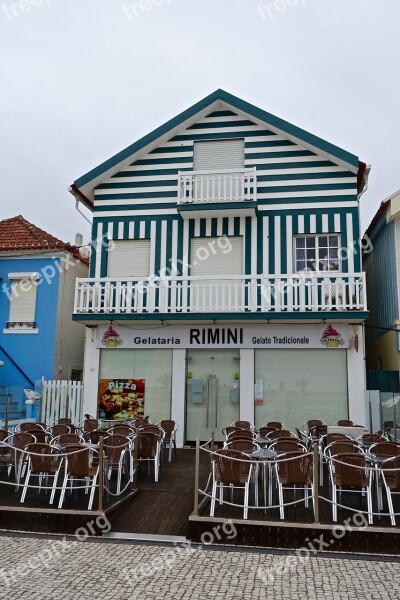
{"x": 121, "y": 399}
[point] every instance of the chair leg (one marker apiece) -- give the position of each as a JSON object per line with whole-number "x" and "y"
{"x": 221, "y": 493}
{"x": 306, "y": 496}
{"x": 63, "y": 490}
{"x": 281, "y": 507}
{"x": 92, "y": 492}
{"x": 369, "y": 501}
{"x": 390, "y": 505}
{"x": 334, "y": 505}
{"x": 246, "y": 500}
{"x": 28, "y": 476}
{"x": 213, "y": 498}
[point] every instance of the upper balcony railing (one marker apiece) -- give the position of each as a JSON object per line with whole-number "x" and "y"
{"x": 229, "y": 185}
{"x": 303, "y": 292}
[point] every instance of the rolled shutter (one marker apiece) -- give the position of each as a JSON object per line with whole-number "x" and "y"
{"x": 219, "y": 155}
{"x": 129, "y": 258}
{"x": 23, "y": 301}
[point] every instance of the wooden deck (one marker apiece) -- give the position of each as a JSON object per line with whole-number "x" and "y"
{"x": 166, "y": 509}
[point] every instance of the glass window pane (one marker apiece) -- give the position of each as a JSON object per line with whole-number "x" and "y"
{"x": 334, "y": 241}
{"x": 300, "y": 242}
{"x": 310, "y": 242}
{"x": 300, "y": 254}
{"x": 323, "y": 242}
{"x": 154, "y": 366}
{"x": 300, "y": 385}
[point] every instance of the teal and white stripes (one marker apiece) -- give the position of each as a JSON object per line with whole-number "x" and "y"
{"x": 299, "y": 192}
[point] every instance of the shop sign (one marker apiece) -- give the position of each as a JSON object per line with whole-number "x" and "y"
{"x": 221, "y": 336}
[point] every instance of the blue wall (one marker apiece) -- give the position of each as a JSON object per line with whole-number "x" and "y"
{"x": 34, "y": 353}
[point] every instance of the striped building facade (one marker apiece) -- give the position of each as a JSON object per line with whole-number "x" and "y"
{"x": 290, "y": 360}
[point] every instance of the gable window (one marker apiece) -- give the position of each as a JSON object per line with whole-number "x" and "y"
{"x": 129, "y": 258}
{"x": 218, "y": 155}
{"x": 22, "y": 302}
{"x": 317, "y": 253}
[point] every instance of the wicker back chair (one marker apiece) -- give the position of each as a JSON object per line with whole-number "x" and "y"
{"x": 264, "y": 431}
{"x": 385, "y": 448}
{"x": 140, "y": 422}
{"x": 288, "y": 445}
{"x": 243, "y": 445}
{"x": 170, "y": 428}
{"x": 232, "y": 429}
{"x": 243, "y": 425}
{"x": 349, "y": 474}
{"x": 371, "y": 438}
{"x": 342, "y": 447}
{"x": 149, "y": 450}
{"x": 295, "y": 471}
{"x": 27, "y": 426}
{"x": 40, "y": 435}
{"x": 95, "y": 435}
{"x": 20, "y": 440}
{"x": 64, "y": 421}
{"x": 152, "y": 429}
{"x": 79, "y": 469}
{"x": 345, "y": 423}
{"x": 314, "y": 423}
{"x": 42, "y": 461}
{"x": 3, "y": 434}
{"x": 318, "y": 431}
{"x": 275, "y": 424}
{"x": 230, "y": 473}
{"x": 334, "y": 437}
{"x": 279, "y": 433}
{"x": 118, "y": 429}
{"x": 66, "y": 439}
{"x": 241, "y": 434}
{"x": 90, "y": 425}
{"x": 116, "y": 448}
{"x": 60, "y": 429}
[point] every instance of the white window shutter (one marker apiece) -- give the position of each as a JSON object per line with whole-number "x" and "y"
{"x": 129, "y": 258}
{"x": 23, "y": 301}
{"x": 219, "y": 155}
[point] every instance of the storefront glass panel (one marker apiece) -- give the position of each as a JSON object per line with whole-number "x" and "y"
{"x": 293, "y": 386}
{"x": 154, "y": 366}
{"x": 212, "y": 392}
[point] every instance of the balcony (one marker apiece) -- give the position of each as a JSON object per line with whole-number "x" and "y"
{"x": 300, "y": 293}
{"x": 214, "y": 193}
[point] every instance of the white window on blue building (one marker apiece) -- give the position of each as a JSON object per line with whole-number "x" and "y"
{"x": 23, "y": 301}
{"x": 317, "y": 253}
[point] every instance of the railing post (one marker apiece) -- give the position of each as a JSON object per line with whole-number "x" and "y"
{"x": 316, "y": 483}
{"x": 197, "y": 479}
{"x": 212, "y": 445}
{"x": 101, "y": 473}
{"x": 135, "y": 462}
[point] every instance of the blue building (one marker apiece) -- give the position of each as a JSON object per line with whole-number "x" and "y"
{"x": 37, "y": 335}
{"x": 226, "y": 278}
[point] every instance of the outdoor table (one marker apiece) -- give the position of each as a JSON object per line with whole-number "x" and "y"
{"x": 266, "y": 456}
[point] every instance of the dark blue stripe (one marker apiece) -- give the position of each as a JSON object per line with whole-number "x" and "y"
{"x": 318, "y": 187}
{"x": 307, "y": 200}
{"x": 343, "y": 242}
{"x": 271, "y": 245}
{"x": 202, "y": 230}
{"x": 117, "y": 207}
{"x": 214, "y": 223}
{"x": 137, "y": 229}
{"x": 220, "y": 125}
{"x": 172, "y": 149}
{"x": 157, "y": 249}
{"x": 92, "y": 269}
{"x": 283, "y": 245}
{"x": 296, "y": 176}
{"x": 236, "y": 226}
{"x": 136, "y": 184}
{"x": 162, "y": 161}
{"x": 151, "y": 172}
{"x": 225, "y": 226}
{"x": 217, "y": 136}
{"x": 248, "y": 244}
{"x": 221, "y": 113}
{"x": 294, "y": 165}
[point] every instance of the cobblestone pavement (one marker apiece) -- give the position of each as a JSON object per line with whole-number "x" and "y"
{"x": 47, "y": 569}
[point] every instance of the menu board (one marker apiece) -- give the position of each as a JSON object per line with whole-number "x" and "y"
{"x": 121, "y": 399}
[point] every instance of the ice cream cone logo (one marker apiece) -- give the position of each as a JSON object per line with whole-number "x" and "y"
{"x": 111, "y": 338}
{"x": 331, "y": 338}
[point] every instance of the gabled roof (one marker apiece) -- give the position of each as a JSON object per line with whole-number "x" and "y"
{"x": 17, "y": 234}
{"x": 83, "y": 188}
{"x": 382, "y": 210}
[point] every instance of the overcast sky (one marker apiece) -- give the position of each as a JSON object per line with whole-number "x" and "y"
{"x": 82, "y": 79}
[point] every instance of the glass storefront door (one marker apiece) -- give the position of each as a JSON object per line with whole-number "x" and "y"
{"x": 212, "y": 392}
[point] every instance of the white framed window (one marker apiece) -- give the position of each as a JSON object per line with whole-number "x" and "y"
{"x": 129, "y": 258}
{"x": 317, "y": 252}
{"x": 23, "y": 295}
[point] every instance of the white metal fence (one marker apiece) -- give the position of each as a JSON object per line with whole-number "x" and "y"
{"x": 61, "y": 399}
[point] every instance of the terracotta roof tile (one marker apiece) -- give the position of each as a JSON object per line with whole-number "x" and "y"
{"x": 18, "y": 234}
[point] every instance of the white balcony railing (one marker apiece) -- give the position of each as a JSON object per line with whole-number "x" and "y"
{"x": 235, "y": 294}
{"x": 236, "y": 185}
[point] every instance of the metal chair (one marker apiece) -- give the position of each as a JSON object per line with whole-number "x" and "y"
{"x": 292, "y": 472}
{"x": 170, "y": 428}
{"x": 390, "y": 476}
{"x": 78, "y": 468}
{"x": 42, "y": 462}
{"x": 116, "y": 449}
{"x": 149, "y": 445}
{"x": 229, "y": 472}
{"x": 350, "y": 474}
